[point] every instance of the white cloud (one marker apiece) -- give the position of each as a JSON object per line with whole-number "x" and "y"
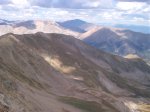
{"x": 146, "y": 9}
{"x": 21, "y": 3}
{"x": 92, "y": 4}
{"x": 130, "y": 5}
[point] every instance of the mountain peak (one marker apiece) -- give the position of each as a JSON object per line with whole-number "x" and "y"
{"x": 78, "y": 21}
{"x": 77, "y": 25}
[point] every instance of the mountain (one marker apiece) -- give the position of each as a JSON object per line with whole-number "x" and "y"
{"x": 136, "y": 28}
{"x": 33, "y": 26}
{"x": 118, "y": 41}
{"x": 77, "y": 25}
{"x": 81, "y": 26}
{"x": 59, "y": 73}
{"x": 6, "y": 22}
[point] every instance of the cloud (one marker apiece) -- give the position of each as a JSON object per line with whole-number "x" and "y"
{"x": 95, "y": 11}
{"x": 103, "y": 16}
{"x": 81, "y": 4}
{"x": 42, "y": 3}
{"x": 20, "y": 3}
{"x": 130, "y": 5}
{"x": 72, "y": 4}
{"x": 148, "y": 1}
{"x": 57, "y": 3}
{"x": 3, "y": 2}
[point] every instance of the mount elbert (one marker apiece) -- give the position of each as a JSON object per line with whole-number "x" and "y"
{"x": 55, "y": 72}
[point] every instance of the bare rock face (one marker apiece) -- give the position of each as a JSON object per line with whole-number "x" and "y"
{"x": 59, "y": 73}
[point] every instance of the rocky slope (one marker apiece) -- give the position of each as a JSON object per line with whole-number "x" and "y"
{"x": 58, "y": 73}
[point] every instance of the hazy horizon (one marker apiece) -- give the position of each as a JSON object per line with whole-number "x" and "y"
{"x": 135, "y": 12}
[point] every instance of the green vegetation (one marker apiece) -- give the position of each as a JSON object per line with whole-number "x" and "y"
{"x": 88, "y": 106}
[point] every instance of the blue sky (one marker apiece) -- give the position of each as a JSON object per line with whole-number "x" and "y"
{"x": 133, "y": 12}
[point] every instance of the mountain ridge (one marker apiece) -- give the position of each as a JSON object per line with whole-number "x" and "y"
{"x": 77, "y": 25}
{"x": 118, "y": 41}
{"x": 33, "y": 26}
{"x": 56, "y": 72}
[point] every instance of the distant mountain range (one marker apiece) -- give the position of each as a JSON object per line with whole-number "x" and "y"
{"x": 6, "y": 22}
{"x": 81, "y": 26}
{"x": 77, "y": 25}
{"x": 136, "y": 28}
{"x": 33, "y": 26}
{"x": 118, "y": 41}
